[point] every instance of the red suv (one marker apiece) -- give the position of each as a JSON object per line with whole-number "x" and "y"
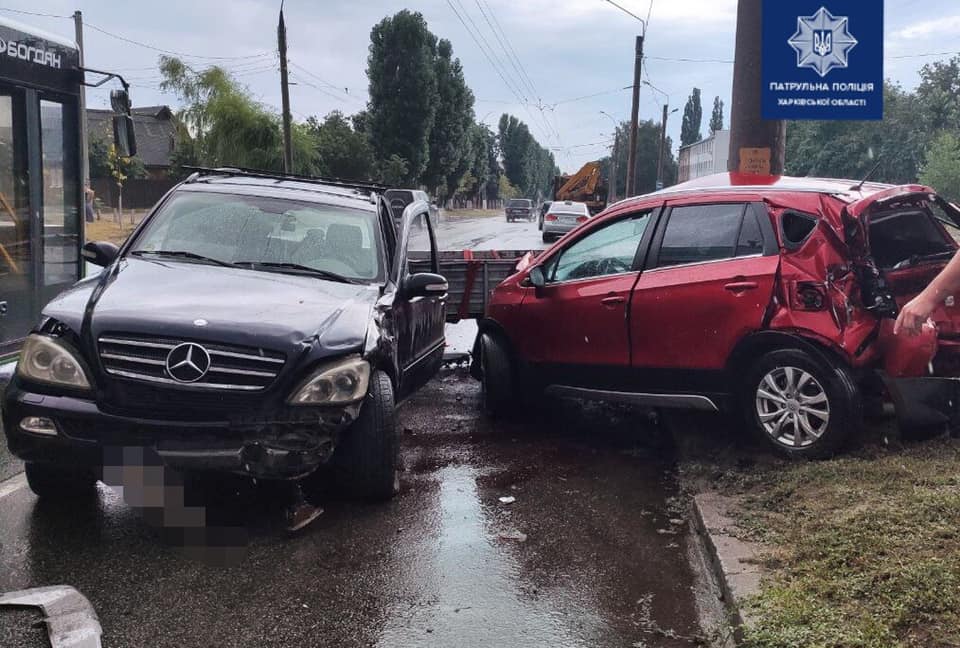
{"x": 774, "y": 295}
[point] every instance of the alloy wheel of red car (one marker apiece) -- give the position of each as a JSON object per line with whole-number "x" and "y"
{"x": 792, "y": 407}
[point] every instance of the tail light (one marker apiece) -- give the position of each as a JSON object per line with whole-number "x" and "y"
{"x": 582, "y": 219}
{"x": 550, "y": 217}
{"x": 810, "y": 296}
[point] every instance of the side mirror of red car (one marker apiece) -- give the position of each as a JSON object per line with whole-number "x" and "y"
{"x": 537, "y": 278}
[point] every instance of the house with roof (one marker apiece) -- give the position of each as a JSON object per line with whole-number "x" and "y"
{"x": 156, "y": 135}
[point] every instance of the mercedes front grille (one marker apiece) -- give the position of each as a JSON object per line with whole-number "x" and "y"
{"x": 221, "y": 367}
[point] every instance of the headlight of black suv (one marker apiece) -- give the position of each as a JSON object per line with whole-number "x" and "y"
{"x": 340, "y": 383}
{"x": 50, "y": 361}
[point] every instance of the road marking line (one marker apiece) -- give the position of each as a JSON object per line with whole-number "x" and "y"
{"x": 12, "y": 485}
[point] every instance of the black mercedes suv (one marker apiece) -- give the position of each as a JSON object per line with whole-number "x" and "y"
{"x": 255, "y": 324}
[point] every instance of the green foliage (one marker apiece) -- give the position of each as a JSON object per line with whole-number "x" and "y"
{"x": 716, "y": 119}
{"x": 103, "y": 163}
{"x": 844, "y": 149}
{"x": 942, "y": 168}
{"x": 648, "y": 152}
{"x": 222, "y": 125}
{"x": 450, "y": 142}
{"x": 401, "y": 69}
{"x": 507, "y": 190}
{"x": 343, "y": 152}
{"x": 394, "y": 171}
{"x": 527, "y": 165}
{"x": 692, "y": 119}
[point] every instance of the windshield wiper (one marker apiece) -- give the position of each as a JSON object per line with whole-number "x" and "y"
{"x": 296, "y": 267}
{"x": 181, "y": 254}
{"x": 917, "y": 258}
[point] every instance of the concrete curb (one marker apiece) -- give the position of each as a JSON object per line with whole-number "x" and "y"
{"x": 735, "y": 562}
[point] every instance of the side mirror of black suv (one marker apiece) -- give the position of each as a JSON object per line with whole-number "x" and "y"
{"x": 101, "y": 253}
{"x": 424, "y": 284}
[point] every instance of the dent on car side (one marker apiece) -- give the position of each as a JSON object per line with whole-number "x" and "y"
{"x": 829, "y": 296}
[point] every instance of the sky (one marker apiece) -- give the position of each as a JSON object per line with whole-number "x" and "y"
{"x": 565, "y": 50}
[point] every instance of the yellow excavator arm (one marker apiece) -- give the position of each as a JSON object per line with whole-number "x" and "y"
{"x": 582, "y": 184}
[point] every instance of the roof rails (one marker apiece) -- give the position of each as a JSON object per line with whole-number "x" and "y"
{"x": 200, "y": 172}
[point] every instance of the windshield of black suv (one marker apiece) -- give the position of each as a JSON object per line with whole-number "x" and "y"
{"x": 266, "y": 234}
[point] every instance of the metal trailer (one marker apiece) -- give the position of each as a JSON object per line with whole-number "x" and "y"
{"x": 472, "y": 276}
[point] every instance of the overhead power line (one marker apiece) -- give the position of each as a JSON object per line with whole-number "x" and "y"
{"x": 302, "y": 81}
{"x": 343, "y": 91}
{"x": 173, "y": 52}
{"x": 33, "y": 13}
{"x": 591, "y": 96}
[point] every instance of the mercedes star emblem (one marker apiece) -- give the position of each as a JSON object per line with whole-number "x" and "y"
{"x": 188, "y": 363}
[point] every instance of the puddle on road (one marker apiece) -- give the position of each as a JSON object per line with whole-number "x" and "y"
{"x": 476, "y": 590}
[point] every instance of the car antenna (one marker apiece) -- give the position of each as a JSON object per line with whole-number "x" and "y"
{"x": 869, "y": 175}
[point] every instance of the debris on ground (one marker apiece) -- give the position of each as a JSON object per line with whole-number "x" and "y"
{"x": 517, "y": 536}
{"x": 509, "y": 499}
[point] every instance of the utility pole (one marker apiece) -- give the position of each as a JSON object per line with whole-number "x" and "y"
{"x": 663, "y": 143}
{"x": 84, "y": 136}
{"x": 634, "y": 119}
{"x": 285, "y": 93}
{"x": 612, "y": 195}
{"x": 757, "y": 145}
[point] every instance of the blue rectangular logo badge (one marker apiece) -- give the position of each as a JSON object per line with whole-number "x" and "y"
{"x": 823, "y": 59}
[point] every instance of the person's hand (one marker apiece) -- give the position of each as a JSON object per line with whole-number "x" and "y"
{"x": 914, "y": 315}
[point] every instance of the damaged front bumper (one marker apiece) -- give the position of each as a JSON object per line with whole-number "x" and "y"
{"x": 286, "y": 444}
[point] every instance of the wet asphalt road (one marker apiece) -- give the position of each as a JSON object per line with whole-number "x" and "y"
{"x": 602, "y": 564}
{"x": 492, "y": 233}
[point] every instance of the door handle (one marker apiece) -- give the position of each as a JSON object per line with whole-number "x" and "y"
{"x": 741, "y": 286}
{"x": 613, "y": 300}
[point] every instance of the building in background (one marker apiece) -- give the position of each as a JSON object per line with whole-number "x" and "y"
{"x": 156, "y": 136}
{"x": 706, "y": 157}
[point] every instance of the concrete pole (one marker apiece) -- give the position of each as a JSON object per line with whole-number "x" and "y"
{"x": 285, "y": 94}
{"x": 756, "y": 144}
{"x": 663, "y": 144}
{"x": 634, "y": 121}
{"x": 84, "y": 135}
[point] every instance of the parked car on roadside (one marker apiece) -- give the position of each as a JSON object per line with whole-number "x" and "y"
{"x": 776, "y": 298}
{"x": 251, "y": 324}
{"x": 563, "y": 216}
{"x": 519, "y": 208}
{"x": 544, "y": 208}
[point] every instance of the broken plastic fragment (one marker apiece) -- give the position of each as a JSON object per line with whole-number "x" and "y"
{"x": 510, "y": 499}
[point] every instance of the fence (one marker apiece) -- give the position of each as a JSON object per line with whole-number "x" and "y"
{"x": 137, "y": 194}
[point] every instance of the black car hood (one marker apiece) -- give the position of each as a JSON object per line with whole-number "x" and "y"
{"x": 243, "y": 307}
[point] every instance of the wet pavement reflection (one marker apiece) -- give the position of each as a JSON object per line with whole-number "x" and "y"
{"x": 589, "y": 552}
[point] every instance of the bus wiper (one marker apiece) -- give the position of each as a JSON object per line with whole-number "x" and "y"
{"x": 182, "y": 254}
{"x": 296, "y": 267}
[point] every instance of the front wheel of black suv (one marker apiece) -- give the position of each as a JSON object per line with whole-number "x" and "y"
{"x": 803, "y": 407}
{"x": 366, "y": 463}
{"x": 55, "y": 482}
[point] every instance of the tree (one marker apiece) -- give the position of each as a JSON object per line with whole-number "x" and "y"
{"x": 394, "y": 171}
{"x": 449, "y": 137}
{"x": 716, "y": 120}
{"x": 939, "y": 93}
{"x": 692, "y": 119}
{"x": 342, "y": 151}
{"x": 850, "y": 149}
{"x": 648, "y": 148}
{"x": 103, "y": 166}
{"x": 942, "y": 167}
{"x": 220, "y": 124}
{"x": 401, "y": 69}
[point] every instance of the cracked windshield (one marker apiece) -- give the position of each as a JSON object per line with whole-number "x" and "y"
{"x": 473, "y": 323}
